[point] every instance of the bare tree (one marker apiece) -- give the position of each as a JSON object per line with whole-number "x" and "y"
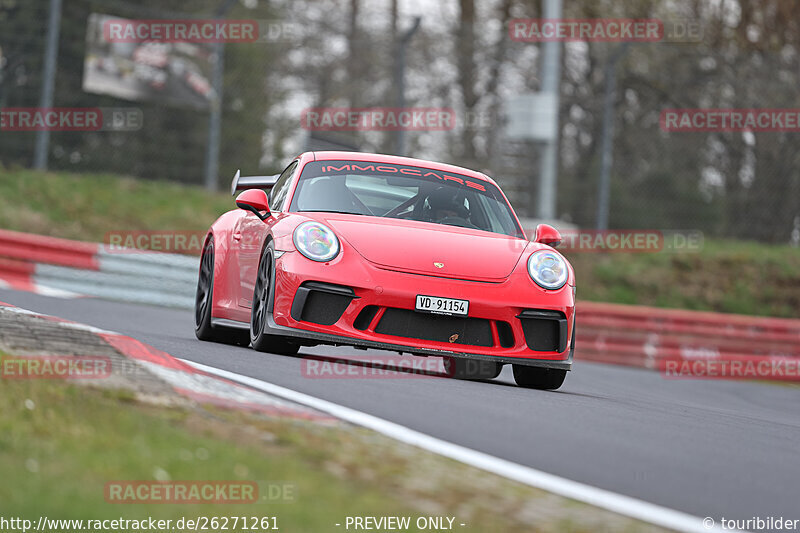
{"x": 467, "y": 72}
{"x": 354, "y": 62}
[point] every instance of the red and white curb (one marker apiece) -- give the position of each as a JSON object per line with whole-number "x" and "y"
{"x": 187, "y": 380}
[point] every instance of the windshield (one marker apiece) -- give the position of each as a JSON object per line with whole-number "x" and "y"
{"x": 405, "y": 192}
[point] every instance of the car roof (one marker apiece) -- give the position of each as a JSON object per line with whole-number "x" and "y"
{"x": 394, "y": 159}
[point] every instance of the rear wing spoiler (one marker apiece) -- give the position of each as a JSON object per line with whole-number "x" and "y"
{"x": 241, "y": 183}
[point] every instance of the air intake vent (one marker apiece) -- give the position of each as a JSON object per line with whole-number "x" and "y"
{"x": 321, "y": 303}
{"x": 545, "y": 331}
{"x": 431, "y": 327}
{"x": 365, "y": 317}
{"x": 504, "y": 334}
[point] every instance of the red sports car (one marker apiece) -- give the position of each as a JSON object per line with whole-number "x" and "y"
{"x": 394, "y": 253}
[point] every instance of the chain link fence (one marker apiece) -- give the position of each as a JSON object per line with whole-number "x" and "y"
{"x": 172, "y": 140}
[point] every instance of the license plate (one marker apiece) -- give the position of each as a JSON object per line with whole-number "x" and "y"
{"x": 442, "y": 306}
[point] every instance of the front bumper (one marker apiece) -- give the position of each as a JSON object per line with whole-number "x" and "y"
{"x": 352, "y": 302}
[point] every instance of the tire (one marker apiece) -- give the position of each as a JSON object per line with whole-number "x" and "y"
{"x": 262, "y": 295}
{"x": 532, "y": 377}
{"x": 204, "y": 298}
{"x": 458, "y": 368}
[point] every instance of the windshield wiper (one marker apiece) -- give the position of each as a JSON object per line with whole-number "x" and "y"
{"x": 332, "y": 211}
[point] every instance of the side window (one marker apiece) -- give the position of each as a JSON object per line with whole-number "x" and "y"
{"x": 281, "y": 187}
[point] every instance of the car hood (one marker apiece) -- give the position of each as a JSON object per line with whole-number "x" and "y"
{"x": 426, "y": 248}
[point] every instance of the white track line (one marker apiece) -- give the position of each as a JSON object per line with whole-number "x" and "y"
{"x": 624, "y": 505}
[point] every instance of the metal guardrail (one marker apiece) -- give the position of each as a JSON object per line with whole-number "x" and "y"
{"x": 655, "y": 338}
{"x": 638, "y": 336}
{"x": 88, "y": 269}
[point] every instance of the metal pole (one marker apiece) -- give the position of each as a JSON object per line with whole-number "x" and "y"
{"x": 400, "y": 80}
{"x": 48, "y": 83}
{"x": 2, "y": 80}
{"x": 215, "y": 119}
{"x": 551, "y": 81}
{"x": 215, "y": 111}
{"x": 604, "y": 193}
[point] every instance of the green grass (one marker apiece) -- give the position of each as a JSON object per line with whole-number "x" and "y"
{"x": 73, "y": 440}
{"x": 733, "y": 277}
{"x": 726, "y": 276}
{"x": 86, "y": 207}
{"x": 60, "y": 444}
{"x": 58, "y": 452}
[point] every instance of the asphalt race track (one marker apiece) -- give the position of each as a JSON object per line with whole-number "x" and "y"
{"x": 708, "y": 448}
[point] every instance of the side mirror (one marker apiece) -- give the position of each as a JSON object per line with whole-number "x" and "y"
{"x": 255, "y": 201}
{"x": 547, "y": 234}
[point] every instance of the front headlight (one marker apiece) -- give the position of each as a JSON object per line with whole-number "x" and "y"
{"x": 548, "y": 269}
{"x": 316, "y": 241}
